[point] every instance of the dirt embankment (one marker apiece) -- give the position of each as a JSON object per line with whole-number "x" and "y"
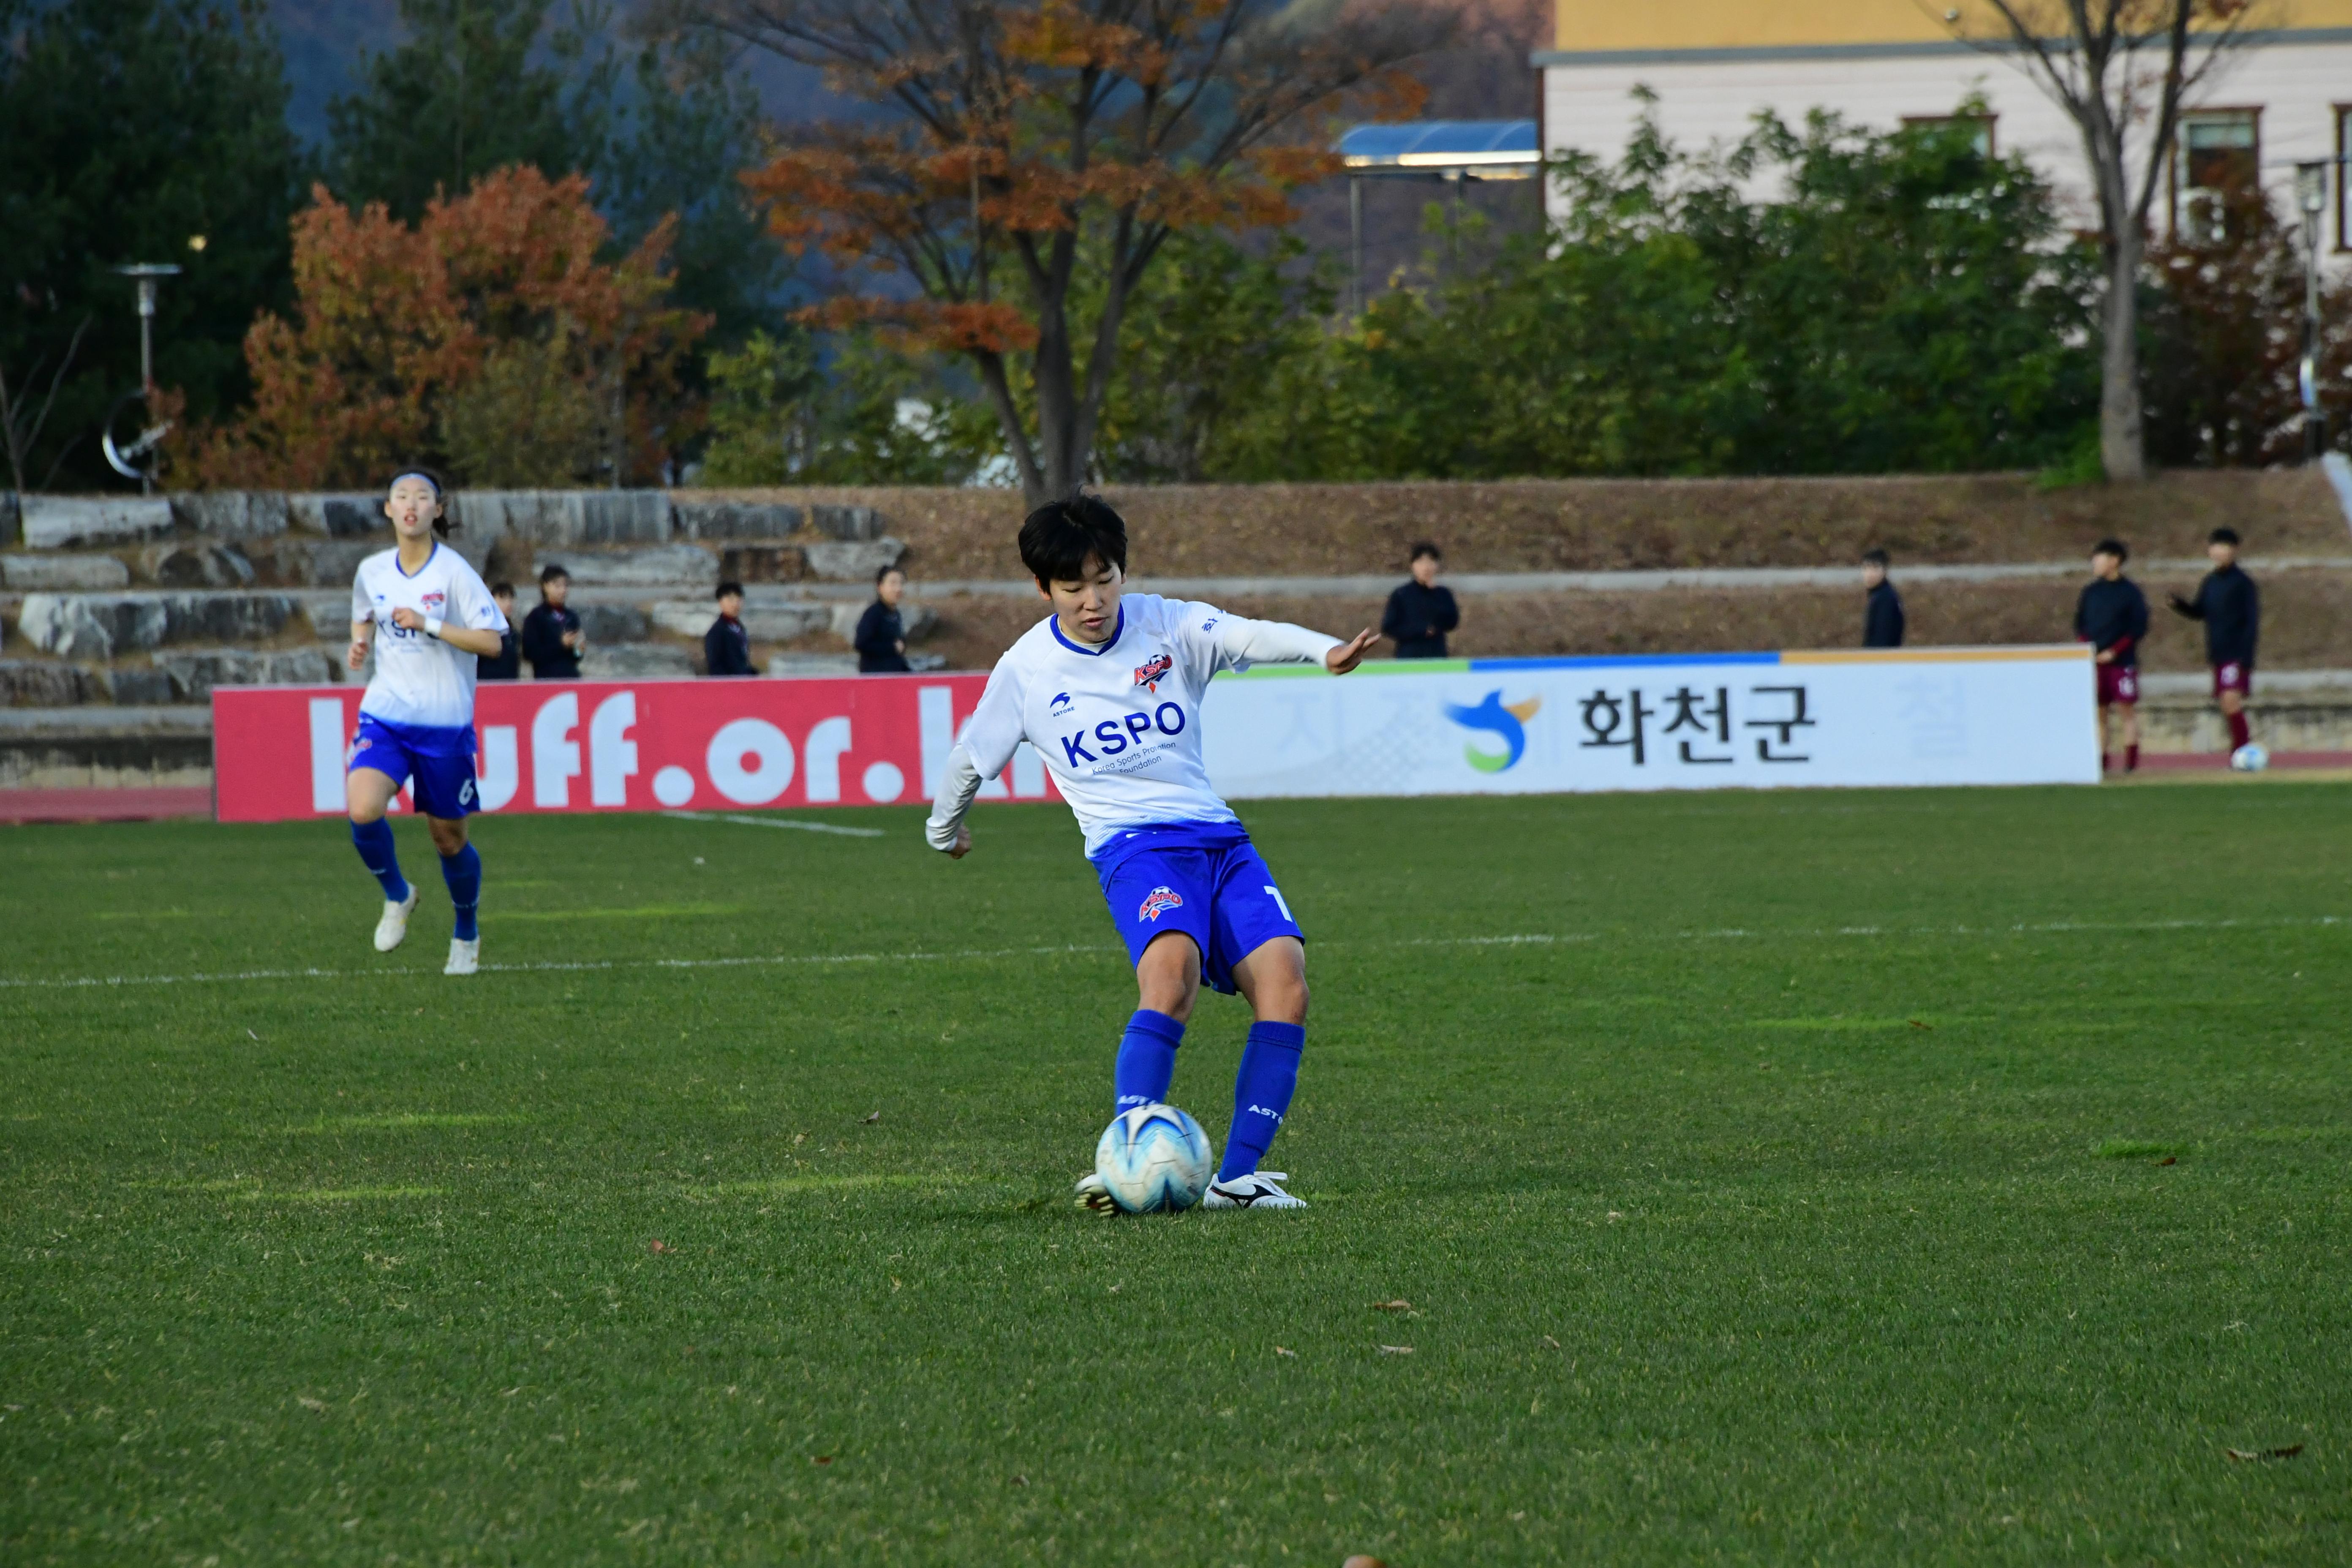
{"x": 2307, "y": 620}
{"x": 1584, "y": 525}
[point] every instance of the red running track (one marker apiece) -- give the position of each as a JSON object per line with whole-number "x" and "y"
{"x": 104, "y": 805}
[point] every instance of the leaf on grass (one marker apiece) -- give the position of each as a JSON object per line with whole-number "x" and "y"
{"x": 2286, "y": 1453}
{"x": 254, "y": 1037}
{"x": 2169, "y": 1160}
{"x": 661, "y": 1246}
{"x": 872, "y": 1119}
{"x": 1399, "y": 1305}
{"x": 1552, "y": 1343}
{"x": 824, "y": 1459}
{"x": 1285, "y": 1350}
{"x": 1396, "y": 1350}
{"x": 307, "y": 1402}
{"x": 1919, "y": 1024}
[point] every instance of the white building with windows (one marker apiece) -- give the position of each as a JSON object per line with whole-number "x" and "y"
{"x": 2281, "y": 96}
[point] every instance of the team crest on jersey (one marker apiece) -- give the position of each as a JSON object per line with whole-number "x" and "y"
{"x": 1150, "y": 675}
{"x": 435, "y": 601}
{"x": 1159, "y": 901}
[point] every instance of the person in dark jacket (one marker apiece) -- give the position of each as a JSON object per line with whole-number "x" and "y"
{"x": 2112, "y": 617}
{"x": 727, "y": 647}
{"x": 1421, "y": 613}
{"x": 1882, "y": 612}
{"x": 506, "y": 663}
{"x": 2233, "y": 612}
{"x": 881, "y": 639}
{"x": 552, "y": 637}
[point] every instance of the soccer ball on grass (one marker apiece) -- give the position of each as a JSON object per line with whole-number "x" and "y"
{"x": 1154, "y": 1157}
{"x": 2250, "y": 758}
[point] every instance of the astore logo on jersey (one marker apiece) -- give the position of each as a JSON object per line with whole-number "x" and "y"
{"x": 1113, "y": 735}
{"x": 1060, "y": 705}
{"x": 1159, "y": 901}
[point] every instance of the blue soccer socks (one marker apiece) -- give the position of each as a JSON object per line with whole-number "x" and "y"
{"x": 373, "y": 841}
{"x": 463, "y": 872}
{"x": 1147, "y": 1059}
{"x": 1261, "y": 1091}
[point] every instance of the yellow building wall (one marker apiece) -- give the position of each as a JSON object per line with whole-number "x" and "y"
{"x": 1595, "y": 24}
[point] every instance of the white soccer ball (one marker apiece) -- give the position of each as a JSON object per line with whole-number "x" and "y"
{"x": 1154, "y": 1157}
{"x": 2250, "y": 758}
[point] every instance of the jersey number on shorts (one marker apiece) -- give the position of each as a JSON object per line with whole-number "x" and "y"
{"x": 1276, "y": 896}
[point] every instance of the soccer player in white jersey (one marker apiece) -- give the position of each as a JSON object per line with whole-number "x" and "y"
{"x": 430, "y": 618}
{"x": 1108, "y": 689}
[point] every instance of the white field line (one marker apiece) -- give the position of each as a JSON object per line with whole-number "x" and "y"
{"x": 1518, "y": 938}
{"x": 778, "y": 821}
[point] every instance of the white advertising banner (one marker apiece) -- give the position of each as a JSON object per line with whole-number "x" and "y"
{"x": 1751, "y": 721}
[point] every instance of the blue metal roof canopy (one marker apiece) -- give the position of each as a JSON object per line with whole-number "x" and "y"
{"x": 1461, "y": 149}
{"x": 1454, "y": 150}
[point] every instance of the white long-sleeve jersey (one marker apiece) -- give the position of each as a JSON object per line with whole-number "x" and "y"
{"x": 1118, "y": 725}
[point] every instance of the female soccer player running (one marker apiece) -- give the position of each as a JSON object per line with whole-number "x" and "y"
{"x": 1108, "y": 690}
{"x": 430, "y": 616}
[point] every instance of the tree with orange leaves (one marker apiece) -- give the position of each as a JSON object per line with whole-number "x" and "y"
{"x": 1033, "y": 137}
{"x": 487, "y": 337}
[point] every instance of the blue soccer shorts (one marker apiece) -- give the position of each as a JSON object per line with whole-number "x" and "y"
{"x": 1224, "y": 899}
{"x": 443, "y": 778}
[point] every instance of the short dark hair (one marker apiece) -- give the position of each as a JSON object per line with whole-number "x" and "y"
{"x": 886, "y": 570}
{"x": 1879, "y": 558}
{"x": 550, "y": 572}
{"x": 1422, "y": 547}
{"x": 2115, "y": 547}
{"x": 2228, "y": 536}
{"x": 726, "y": 588}
{"x": 501, "y": 590}
{"x": 1060, "y": 538}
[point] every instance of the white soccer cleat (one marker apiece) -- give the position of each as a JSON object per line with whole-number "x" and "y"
{"x": 392, "y": 930}
{"x": 465, "y": 956}
{"x": 1255, "y": 1191}
{"x": 1093, "y": 1194}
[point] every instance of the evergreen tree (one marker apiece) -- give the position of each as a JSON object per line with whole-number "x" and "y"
{"x": 137, "y": 131}
{"x": 482, "y": 84}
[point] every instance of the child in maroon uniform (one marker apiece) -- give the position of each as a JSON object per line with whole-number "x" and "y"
{"x": 2112, "y": 617}
{"x": 2226, "y": 602}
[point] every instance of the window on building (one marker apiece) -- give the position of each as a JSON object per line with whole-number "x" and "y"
{"x": 1978, "y": 127}
{"x": 2218, "y": 161}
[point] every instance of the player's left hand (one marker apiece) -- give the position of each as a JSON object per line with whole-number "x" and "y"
{"x": 407, "y": 620}
{"x": 1350, "y": 654}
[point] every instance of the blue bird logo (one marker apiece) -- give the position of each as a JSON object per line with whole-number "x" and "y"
{"x": 1507, "y": 720}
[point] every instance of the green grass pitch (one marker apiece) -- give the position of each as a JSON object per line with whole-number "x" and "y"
{"x": 1895, "y": 1177}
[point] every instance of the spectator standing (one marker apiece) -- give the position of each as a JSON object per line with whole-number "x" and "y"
{"x": 1421, "y": 613}
{"x": 2112, "y": 617}
{"x": 552, "y": 637}
{"x": 727, "y": 647}
{"x": 1882, "y": 611}
{"x": 506, "y": 663}
{"x": 881, "y": 638}
{"x": 2233, "y": 612}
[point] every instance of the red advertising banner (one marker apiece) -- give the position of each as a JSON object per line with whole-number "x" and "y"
{"x": 628, "y": 745}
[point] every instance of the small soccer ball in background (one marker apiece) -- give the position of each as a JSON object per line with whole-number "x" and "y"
{"x": 1154, "y": 1157}
{"x": 2250, "y": 758}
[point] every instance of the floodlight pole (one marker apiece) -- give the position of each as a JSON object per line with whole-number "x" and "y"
{"x": 2311, "y": 197}
{"x": 146, "y": 274}
{"x": 1355, "y": 245}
